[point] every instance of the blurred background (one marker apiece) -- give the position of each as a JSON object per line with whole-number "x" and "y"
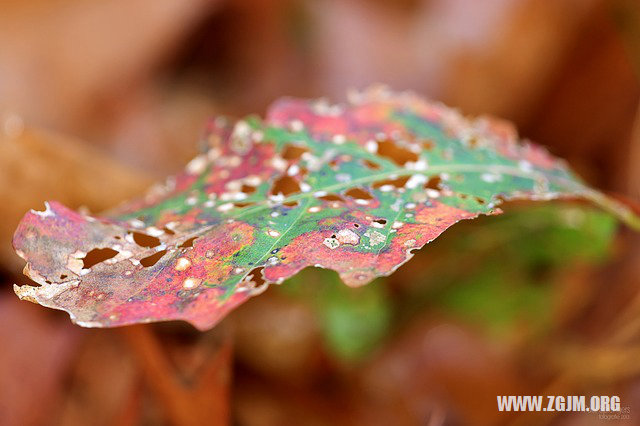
{"x": 98, "y": 99}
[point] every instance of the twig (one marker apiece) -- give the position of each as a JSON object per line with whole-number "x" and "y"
{"x": 205, "y": 402}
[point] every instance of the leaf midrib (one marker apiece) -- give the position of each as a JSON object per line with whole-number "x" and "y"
{"x": 432, "y": 170}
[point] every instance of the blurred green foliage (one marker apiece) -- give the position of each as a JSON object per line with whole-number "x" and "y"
{"x": 497, "y": 274}
{"x": 353, "y": 320}
{"x": 508, "y": 267}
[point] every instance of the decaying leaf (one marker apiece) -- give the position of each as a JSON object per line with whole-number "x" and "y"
{"x": 355, "y": 188}
{"x": 36, "y": 165}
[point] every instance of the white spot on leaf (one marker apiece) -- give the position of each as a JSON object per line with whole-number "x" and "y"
{"x": 339, "y": 139}
{"x": 347, "y": 236}
{"x": 375, "y": 237}
{"x": 225, "y": 207}
{"x": 415, "y": 181}
{"x": 332, "y": 243}
{"x": 296, "y": 125}
{"x": 190, "y": 283}
{"x": 182, "y": 264}
{"x": 197, "y": 165}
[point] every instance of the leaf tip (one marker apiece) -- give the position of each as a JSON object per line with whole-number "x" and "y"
{"x": 48, "y": 211}
{"x": 25, "y": 292}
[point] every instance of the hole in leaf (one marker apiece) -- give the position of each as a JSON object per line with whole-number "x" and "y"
{"x": 98, "y": 255}
{"x": 331, "y": 197}
{"x": 256, "y": 276}
{"x": 285, "y": 185}
{"x": 428, "y": 144}
{"x": 433, "y": 183}
{"x": 293, "y": 152}
{"x": 380, "y": 221}
{"x": 248, "y": 189}
{"x": 396, "y": 153}
{"x": 188, "y": 243}
{"x": 398, "y": 182}
{"x": 153, "y": 259}
{"x": 358, "y": 194}
{"x": 144, "y": 240}
{"x": 371, "y": 165}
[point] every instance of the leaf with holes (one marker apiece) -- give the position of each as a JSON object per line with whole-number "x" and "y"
{"x": 355, "y": 188}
